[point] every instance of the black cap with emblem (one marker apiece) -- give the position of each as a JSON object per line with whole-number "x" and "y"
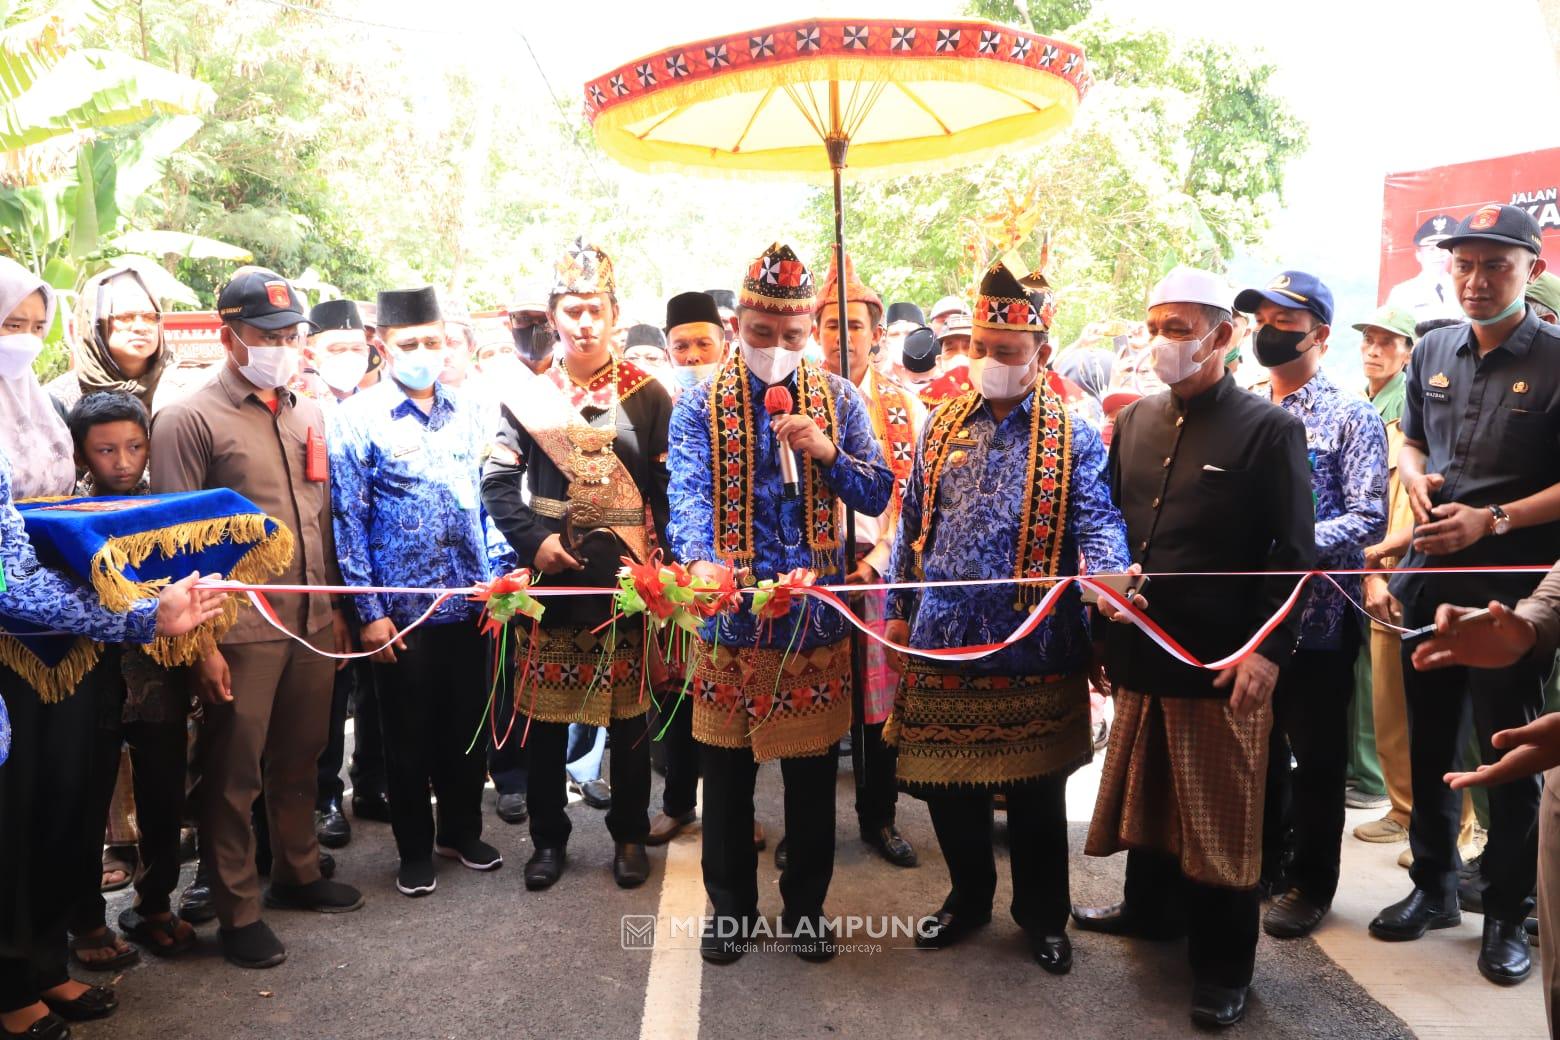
{"x": 262, "y": 299}
{"x": 1510, "y": 225}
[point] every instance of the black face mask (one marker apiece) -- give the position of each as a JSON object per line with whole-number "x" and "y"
{"x": 1276, "y": 347}
{"x": 534, "y": 342}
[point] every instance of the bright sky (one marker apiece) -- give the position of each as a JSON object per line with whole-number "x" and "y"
{"x": 1382, "y": 84}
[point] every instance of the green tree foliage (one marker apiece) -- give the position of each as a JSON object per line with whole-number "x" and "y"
{"x": 1176, "y": 156}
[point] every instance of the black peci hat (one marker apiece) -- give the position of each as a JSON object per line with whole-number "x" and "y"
{"x": 401, "y": 307}
{"x": 691, "y": 307}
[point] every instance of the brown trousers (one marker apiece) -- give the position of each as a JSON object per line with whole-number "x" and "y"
{"x": 1390, "y": 707}
{"x": 280, "y": 713}
{"x": 1549, "y": 895}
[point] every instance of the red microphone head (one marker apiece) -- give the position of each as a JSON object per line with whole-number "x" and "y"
{"x": 777, "y": 400}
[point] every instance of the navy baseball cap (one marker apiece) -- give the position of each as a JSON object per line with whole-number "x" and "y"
{"x": 1295, "y": 290}
{"x": 1508, "y": 225}
{"x": 263, "y": 299}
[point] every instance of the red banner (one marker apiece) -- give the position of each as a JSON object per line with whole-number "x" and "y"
{"x": 1422, "y": 202}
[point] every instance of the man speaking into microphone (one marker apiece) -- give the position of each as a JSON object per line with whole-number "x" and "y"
{"x": 781, "y": 688}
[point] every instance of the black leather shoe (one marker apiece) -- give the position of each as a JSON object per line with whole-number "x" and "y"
{"x": 1118, "y": 920}
{"x": 1218, "y": 1007}
{"x": 327, "y": 865}
{"x": 815, "y": 944}
{"x": 49, "y": 1027}
{"x": 371, "y": 805}
{"x": 544, "y": 868}
{"x": 1293, "y": 915}
{"x": 891, "y": 846}
{"x": 944, "y": 928}
{"x": 780, "y": 859}
{"x": 1410, "y": 918}
{"x": 195, "y": 905}
{"x": 1503, "y": 955}
{"x": 96, "y": 1002}
{"x": 596, "y": 793}
{"x": 716, "y": 949}
{"x": 511, "y": 807}
{"x": 252, "y": 946}
{"x": 1470, "y": 892}
{"x": 630, "y": 865}
{"x": 1052, "y": 952}
{"x": 331, "y": 826}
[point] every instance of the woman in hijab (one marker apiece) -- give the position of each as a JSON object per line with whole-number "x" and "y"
{"x": 120, "y": 344}
{"x": 32, "y": 434}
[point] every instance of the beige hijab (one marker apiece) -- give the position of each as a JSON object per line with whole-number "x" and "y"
{"x": 32, "y": 435}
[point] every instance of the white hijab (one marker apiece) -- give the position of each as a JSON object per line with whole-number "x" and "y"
{"x": 32, "y": 434}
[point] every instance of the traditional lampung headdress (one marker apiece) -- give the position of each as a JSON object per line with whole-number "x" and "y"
{"x": 1010, "y": 300}
{"x": 856, "y": 291}
{"x": 583, "y": 270}
{"x": 778, "y": 282}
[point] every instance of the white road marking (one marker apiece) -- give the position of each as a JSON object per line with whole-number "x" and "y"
{"x": 673, "y": 988}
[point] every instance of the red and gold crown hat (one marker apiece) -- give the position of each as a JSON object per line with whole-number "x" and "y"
{"x": 778, "y": 282}
{"x": 1006, "y": 301}
{"x": 856, "y": 291}
{"x": 583, "y": 270}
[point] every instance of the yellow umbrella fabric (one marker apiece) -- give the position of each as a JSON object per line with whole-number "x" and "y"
{"x": 905, "y": 95}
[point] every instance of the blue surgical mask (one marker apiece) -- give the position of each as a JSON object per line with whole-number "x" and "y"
{"x": 419, "y": 369}
{"x": 1515, "y": 306}
{"x": 690, "y": 376}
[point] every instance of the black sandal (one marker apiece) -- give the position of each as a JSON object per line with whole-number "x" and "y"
{"x": 49, "y": 1027}
{"x": 96, "y": 1002}
{"x": 106, "y": 941}
{"x": 145, "y": 933}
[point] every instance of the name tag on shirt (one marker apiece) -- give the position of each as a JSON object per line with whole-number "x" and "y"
{"x": 405, "y": 450}
{"x": 1436, "y": 395}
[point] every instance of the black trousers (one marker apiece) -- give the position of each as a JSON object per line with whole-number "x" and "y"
{"x": 431, "y": 702}
{"x": 1440, "y": 705}
{"x": 44, "y": 794}
{"x": 681, "y": 792}
{"x": 730, "y": 861}
{"x": 1303, "y": 809}
{"x": 546, "y": 795}
{"x": 1037, "y": 841}
{"x": 367, "y": 768}
{"x": 1220, "y": 924}
{"x": 506, "y": 764}
{"x": 329, "y": 785}
{"x": 877, "y": 789}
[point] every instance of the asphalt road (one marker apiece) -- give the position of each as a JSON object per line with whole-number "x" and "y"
{"x": 482, "y": 957}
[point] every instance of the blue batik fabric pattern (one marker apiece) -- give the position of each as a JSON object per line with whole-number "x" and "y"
{"x": 36, "y": 594}
{"x": 979, "y": 512}
{"x": 406, "y": 502}
{"x": 859, "y": 477}
{"x": 1347, "y": 444}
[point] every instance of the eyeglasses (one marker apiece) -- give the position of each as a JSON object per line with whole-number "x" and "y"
{"x": 148, "y": 318}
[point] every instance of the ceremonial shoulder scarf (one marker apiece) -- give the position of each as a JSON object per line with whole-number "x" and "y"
{"x": 1044, "y": 519}
{"x": 947, "y": 386}
{"x": 601, "y": 489}
{"x": 889, "y": 406}
{"x": 732, "y": 450}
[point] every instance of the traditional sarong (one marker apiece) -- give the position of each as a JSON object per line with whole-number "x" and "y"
{"x": 879, "y": 681}
{"x": 1184, "y": 777}
{"x": 987, "y": 731}
{"x": 557, "y": 681}
{"x": 780, "y": 705}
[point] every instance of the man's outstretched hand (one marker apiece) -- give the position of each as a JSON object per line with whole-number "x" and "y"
{"x": 182, "y": 607}
{"x": 1529, "y": 749}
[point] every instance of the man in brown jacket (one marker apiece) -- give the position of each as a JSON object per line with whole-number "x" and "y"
{"x": 266, "y": 696}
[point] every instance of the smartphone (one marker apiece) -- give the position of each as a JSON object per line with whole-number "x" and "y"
{"x": 1476, "y": 617}
{"x": 1126, "y": 584}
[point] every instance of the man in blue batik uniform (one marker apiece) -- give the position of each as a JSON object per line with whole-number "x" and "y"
{"x": 1006, "y": 484}
{"x": 407, "y": 459}
{"x": 781, "y": 688}
{"x": 1347, "y": 445}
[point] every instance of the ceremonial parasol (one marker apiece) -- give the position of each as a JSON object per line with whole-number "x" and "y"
{"x": 895, "y": 96}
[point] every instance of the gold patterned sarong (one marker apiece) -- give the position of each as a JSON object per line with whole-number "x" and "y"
{"x": 780, "y": 705}
{"x": 557, "y": 682}
{"x": 1184, "y": 777}
{"x": 986, "y": 731}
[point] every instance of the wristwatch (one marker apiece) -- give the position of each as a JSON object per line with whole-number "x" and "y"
{"x": 1500, "y": 522}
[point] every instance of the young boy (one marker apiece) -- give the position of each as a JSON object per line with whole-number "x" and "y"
{"x": 140, "y": 704}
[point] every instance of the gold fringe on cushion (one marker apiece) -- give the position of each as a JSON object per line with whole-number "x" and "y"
{"x": 268, "y": 558}
{"x": 51, "y": 684}
{"x": 109, "y": 563}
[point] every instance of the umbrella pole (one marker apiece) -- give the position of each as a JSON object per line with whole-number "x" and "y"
{"x": 838, "y": 143}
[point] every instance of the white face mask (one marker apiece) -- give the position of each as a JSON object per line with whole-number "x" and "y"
{"x": 999, "y": 382}
{"x": 269, "y": 367}
{"x": 17, "y": 353}
{"x": 771, "y": 364}
{"x": 343, "y": 372}
{"x": 1173, "y": 358}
